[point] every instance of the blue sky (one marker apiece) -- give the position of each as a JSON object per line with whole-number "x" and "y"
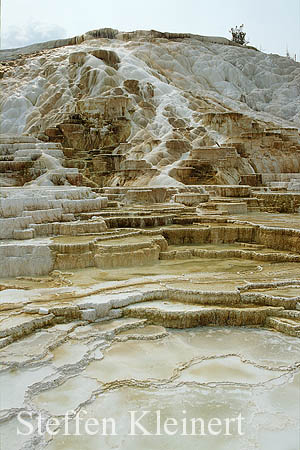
{"x": 271, "y": 25}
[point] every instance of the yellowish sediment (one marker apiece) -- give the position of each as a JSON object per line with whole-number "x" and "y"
{"x": 149, "y": 240}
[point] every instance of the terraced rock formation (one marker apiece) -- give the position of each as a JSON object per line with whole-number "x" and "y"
{"x": 149, "y": 239}
{"x": 148, "y": 108}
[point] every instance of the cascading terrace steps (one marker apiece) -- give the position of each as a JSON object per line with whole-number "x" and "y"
{"x": 174, "y": 308}
{"x": 287, "y": 326}
{"x": 149, "y": 237}
{"x": 33, "y": 160}
{"x": 51, "y": 229}
{"x": 183, "y": 315}
{"x": 79, "y": 212}
{"x": 32, "y": 213}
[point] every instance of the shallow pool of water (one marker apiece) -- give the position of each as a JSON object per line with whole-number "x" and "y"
{"x": 244, "y": 380}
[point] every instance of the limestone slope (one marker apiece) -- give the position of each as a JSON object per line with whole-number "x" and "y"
{"x": 153, "y": 107}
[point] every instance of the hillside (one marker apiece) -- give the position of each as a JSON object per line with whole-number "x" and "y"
{"x": 149, "y": 244}
{"x": 151, "y": 107}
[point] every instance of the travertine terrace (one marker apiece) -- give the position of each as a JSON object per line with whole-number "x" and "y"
{"x": 149, "y": 236}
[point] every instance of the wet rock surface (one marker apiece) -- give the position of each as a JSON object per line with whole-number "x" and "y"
{"x": 112, "y": 367}
{"x": 91, "y": 310}
{"x": 149, "y": 241}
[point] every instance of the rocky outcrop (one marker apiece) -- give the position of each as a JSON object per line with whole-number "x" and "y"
{"x": 123, "y": 118}
{"x": 25, "y": 160}
{"x": 125, "y": 162}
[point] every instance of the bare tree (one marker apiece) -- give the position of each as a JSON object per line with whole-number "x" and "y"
{"x": 239, "y": 35}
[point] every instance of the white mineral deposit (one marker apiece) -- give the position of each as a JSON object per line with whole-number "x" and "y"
{"x": 149, "y": 244}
